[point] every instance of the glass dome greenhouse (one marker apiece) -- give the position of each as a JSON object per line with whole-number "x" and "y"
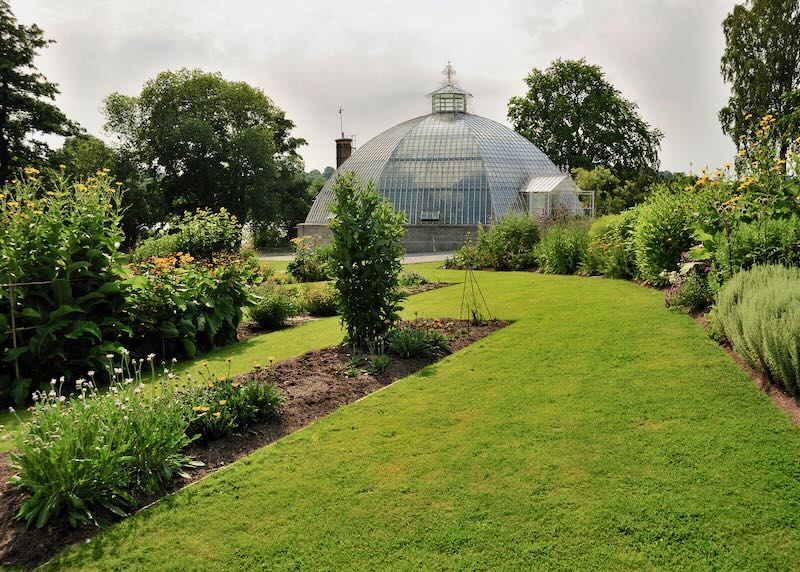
{"x": 450, "y": 171}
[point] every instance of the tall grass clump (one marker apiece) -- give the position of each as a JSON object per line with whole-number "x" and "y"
{"x": 563, "y": 248}
{"x": 91, "y": 452}
{"x": 758, "y": 311}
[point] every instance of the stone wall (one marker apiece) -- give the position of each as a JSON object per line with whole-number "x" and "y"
{"x": 418, "y": 238}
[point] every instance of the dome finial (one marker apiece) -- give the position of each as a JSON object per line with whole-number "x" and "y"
{"x": 449, "y": 73}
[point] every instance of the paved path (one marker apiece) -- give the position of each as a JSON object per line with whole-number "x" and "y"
{"x": 408, "y": 259}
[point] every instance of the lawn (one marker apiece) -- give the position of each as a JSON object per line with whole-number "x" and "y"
{"x": 600, "y": 430}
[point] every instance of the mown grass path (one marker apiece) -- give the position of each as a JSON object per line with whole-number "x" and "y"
{"x": 599, "y": 431}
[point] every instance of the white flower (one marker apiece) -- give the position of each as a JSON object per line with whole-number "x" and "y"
{"x": 61, "y": 379}
{"x": 151, "y": 357}
{"x": 82, "y": 396}
{"x": 35, "y": 396}
{"x": 109, "y": 356}
{"x": 53, "y": 381}
{"x": 174, "y": 360}
{"x": 91, "y": 373}
{"x": 52, "y": 393}
{"x": 11, "y": 410}
{"x": 117, "y": 402}
{"x": 62, "y": 399}
{"x": 124, "y": 351}
{"x": 117, "y": 370}
{"x": 128, "y": 380}
{"x": 171, "y": 375}
{"x": 137, "y": 390}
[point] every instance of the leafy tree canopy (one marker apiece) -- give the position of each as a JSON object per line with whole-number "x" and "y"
{"x": 762, "y": 63}
{"x": 83, "y": 155}
{"x": 212, "y": 143}
{"x": 578, "y": 119}
{"x": 25, "y": 111}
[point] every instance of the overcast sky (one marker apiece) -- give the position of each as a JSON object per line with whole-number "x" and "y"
{"x": 378, "y": 58}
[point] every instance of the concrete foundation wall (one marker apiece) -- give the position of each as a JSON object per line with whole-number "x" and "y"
{"x": 418, "y": 238}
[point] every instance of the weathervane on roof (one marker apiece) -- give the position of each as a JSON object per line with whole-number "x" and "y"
{"x": 449, "y": 72}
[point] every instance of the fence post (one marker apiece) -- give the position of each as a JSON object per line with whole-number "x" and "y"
{"x": 13, "y": 323}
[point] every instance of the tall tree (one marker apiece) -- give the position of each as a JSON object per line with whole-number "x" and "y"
{"x": 25, "y": 112}
{"x": 212, "y": 143}
{"x": 578, "y": 119}
{"x": 83, "y": 155}
{"x": 762, "y": 63}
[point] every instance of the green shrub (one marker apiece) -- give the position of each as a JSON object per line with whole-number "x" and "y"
{"x": 508, "y": 244}
{"x": 321, "y": 300}
{"x": 563, "y": 248}
{"x": 505, "y": 245}
{"x": 93, "y": 451}
{"x": 411, "y": 342}
{"x": 202, "y": 234}
{"x": 763, "y": 242}
{"x": 64, "y": 236}
{"x": 223, "y": 405}
{"x": 365, "y": 259}
{"x": 311, "y": 259}
{"x": 689, "y": 290}
{"x": 412, "y": 278}
{"x": 603, "y": 224}
{"x": 661, "y": 234}
{"x": 611, "y": 245}
{"x": 179, "y": 306}
{"x": 759, "y": 312}
{"x": 159, "y": 246}
{"x": 273, "y": 307}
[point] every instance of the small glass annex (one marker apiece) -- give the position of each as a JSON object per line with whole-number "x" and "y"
{"x": 454, "y": 168}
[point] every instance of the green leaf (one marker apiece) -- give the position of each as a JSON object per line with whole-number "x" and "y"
{"x": 168, "y": 329}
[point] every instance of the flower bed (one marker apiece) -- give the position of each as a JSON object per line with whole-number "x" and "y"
{"x": 314, "y": 385}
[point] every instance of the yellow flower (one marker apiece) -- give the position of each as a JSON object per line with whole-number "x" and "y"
{"x": 217, "y": 414}
{"x": 13, "y": 204}
{"x": 740, "y": 153}
{"x": 204, "y": 363}
{"x": 62, "y": 167}
{"x": 235, "y": 385}
{"x": 30, "y": 171}
{"x": 222, "y": 402}
{"x": 271, "y": 359}
{"x": 748, "y": 116}
{"x": 256, "y": 365}
{"x": 200, "y": 408}
{"x": 220, "y": 378}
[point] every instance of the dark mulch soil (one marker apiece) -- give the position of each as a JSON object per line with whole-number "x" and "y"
{"x": 315, "y": 384}
{"x": 411, "y": 290}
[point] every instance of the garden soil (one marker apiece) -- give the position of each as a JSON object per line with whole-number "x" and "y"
{"x": 315, "y": 384}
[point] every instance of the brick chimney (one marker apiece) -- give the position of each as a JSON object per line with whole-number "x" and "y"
{"x": 344, "y": 147}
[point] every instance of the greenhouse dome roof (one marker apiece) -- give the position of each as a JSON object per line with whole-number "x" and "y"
{"x": 448, "y": 167}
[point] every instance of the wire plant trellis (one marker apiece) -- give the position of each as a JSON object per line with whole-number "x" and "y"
{"x": 472, "y": 300}
{"x": 9, "y": 289}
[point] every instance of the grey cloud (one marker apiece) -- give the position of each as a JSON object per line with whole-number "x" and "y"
{"x": 377, "y": 59}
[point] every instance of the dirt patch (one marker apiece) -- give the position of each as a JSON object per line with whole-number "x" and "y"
{"x": 419, "y": 289}
{"x": 249, "y": 328}
{"x": 786, "y": 403}
{"x": 315, "y": 384}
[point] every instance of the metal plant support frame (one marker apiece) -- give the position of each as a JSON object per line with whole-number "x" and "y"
{"x": 11, "y": 286}
{"x": 469, "y": 300}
